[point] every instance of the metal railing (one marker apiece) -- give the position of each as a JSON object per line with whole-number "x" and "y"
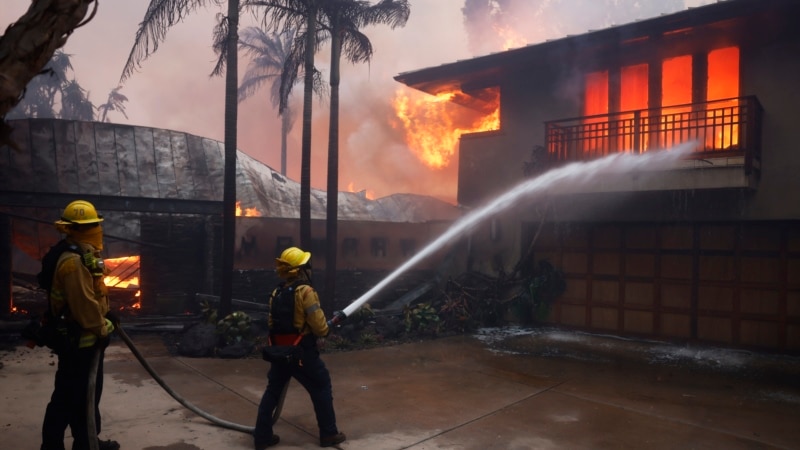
{"x": 730, "y": 127}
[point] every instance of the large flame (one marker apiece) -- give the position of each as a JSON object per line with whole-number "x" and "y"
{"x": 679, "y": 123}
{"x": 123, "y": 272}
{"x": 247, "y": 212}
{"x": 432, "y": 125}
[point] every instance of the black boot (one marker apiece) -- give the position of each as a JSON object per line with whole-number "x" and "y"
{"x": 108, "y": 445}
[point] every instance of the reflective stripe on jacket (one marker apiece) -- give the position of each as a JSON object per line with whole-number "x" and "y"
{"x": 307, "y": 311}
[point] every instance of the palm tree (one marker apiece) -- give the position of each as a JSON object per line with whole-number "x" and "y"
{"x": 75, "y": 104}
{"x": 159, "y": 17}
{"x": 53, "y": 87}
{"x": 30, "y": 42}
{"x": 116, "y": 102}
{"x": 344, "y": 19}
{"x": 274, "y": 56}
{"x": 39, "y": 99}
{"x": 301, "y": 15}
{"x": 270, "y": 55}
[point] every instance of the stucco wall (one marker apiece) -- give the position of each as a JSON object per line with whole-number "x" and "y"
{"x": 772, "y": 73}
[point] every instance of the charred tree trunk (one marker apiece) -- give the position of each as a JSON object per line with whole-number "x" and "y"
{"x": 332, "y": 212}
{"x": 308, "y": 92}
{"x": 29, "y": 44}
{"x": 229, "y": 194}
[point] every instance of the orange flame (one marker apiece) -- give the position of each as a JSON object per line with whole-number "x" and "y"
{"x": 433, "y": 125}
{"x": 120, "y": 283}
{"x": 124, "y": 272}
{"x": 248, "y": 212}
{"x": 367, "y": 194}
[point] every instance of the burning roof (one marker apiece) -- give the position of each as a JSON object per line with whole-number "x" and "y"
{"x": 127, "y": 170}
{"x": 139, "y": 164}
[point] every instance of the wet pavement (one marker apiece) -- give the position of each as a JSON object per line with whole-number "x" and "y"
{"x": 499, "y": 389}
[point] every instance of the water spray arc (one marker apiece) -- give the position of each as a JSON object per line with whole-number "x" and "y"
{"x": 566, "y": 178}
{"x": 569, "y": 177}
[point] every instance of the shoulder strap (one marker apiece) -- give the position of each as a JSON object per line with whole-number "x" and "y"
{"x": 282, "y": 309}
{"x": 50, "y": 262}
{"x": 49, "y": 267}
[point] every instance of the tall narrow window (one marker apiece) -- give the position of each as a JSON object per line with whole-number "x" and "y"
{"x": 378, "y": 247}
{"x": 676, "y": 89}
{"x": 596, "y": 93}
{"x": 723, "y": 115}
{"x": 676, "y": 81}
{"x": 595, "y": 103}
{"x": 633, "y": 101}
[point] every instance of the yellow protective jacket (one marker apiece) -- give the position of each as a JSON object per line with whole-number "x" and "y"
{"x": 308, "y": 314}
{"x": 84, "y": 295}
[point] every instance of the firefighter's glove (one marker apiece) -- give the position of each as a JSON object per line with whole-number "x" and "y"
{"x": 109, "y": 326}
{"x": 113, "y": 318}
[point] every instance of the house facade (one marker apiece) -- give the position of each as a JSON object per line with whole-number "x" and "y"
{"x": 707, "y": 249}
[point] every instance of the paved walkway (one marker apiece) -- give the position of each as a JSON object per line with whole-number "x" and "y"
{"x": 451, "y": 393}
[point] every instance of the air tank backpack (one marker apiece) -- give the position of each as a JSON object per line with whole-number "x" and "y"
{"x": 54, "y": 332}
{"x": 284, "y": 340}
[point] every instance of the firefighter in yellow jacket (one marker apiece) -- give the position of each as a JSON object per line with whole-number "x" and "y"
{"x": 79, "y": 295}
{"x": 296, "y": 317}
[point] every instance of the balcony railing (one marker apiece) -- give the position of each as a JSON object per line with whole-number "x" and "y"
{"x": 730, "y": 127}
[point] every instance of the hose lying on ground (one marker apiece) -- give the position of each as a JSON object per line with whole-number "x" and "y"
{"x": 188, "y": 405}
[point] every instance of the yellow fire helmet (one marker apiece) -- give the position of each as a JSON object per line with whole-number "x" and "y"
{"x": 79, "y": 212}
{"x": 294, "y": 257}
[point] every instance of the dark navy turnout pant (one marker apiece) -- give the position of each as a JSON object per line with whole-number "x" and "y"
{"x": 314, "y": 377}
{"x": 67, "y": 405}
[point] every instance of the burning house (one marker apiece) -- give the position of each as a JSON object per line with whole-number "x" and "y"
{"x": 161, "y": 194}
{"x": 704, "y": 250}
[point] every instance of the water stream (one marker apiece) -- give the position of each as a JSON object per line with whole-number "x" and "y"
{"x": 578, "y": 176}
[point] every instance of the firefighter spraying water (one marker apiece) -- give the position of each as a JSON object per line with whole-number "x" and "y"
{"x": 294, "y": 263}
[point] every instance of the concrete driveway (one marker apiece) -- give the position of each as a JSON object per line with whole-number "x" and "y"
{"x": 459, "y": 392}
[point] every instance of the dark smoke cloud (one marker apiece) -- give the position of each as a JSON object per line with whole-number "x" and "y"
{"x": 173, "y": 90}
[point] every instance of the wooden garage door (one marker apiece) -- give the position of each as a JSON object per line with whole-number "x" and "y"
{"x": 731, "y": 283}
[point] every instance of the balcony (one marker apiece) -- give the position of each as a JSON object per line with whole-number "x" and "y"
{"x": 726, "y": 135}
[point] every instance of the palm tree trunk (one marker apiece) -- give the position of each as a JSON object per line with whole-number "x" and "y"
{"x": 229, "y": 194}
{"x": 332, "y": 216}
{"x": 30, "y": 42}
{"x": 286, "y": 120}
{"x": 305, "y": 163}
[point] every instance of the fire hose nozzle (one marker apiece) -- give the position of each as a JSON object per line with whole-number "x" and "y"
{"x": 338, "y": 316}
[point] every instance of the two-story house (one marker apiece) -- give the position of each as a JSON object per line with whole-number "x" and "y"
{"x": 708, "y": 250}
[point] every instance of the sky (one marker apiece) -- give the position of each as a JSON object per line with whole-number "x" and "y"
{"x": 173, "y": 89}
